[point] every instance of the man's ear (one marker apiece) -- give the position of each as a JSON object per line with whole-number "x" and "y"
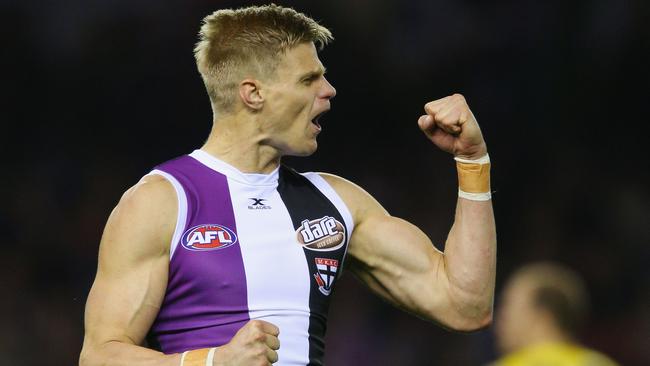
{"x": 249, "y": 92}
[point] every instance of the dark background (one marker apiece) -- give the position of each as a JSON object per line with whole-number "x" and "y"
{"x": 95, "y": 93}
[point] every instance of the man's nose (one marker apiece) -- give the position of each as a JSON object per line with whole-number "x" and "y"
{"x": 329, "y": 91}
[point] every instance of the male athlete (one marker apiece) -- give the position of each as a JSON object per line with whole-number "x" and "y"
{"x": 226, "y": 257}
{"x": 541, "y": 310}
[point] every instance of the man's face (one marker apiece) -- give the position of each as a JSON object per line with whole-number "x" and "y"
{"x": 515, "y": 315}
{"x": 294, "y": 100}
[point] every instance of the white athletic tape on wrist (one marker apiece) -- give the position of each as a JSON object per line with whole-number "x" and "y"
{"x": 475, "y": 196}
{"x": 474, "y": 178}
{"x": 485, "y": 159}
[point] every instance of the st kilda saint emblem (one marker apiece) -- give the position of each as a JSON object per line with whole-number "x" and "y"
{"x": 326, "y": 273}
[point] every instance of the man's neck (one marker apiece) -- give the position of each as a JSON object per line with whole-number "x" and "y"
{"x": 543, "y": 333}
{"x": 239, "y": 144}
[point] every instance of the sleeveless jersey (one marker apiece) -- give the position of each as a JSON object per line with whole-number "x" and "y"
{"x": 250, "y": 246}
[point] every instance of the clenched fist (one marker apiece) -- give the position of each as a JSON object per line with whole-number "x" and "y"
{"x": 450, "y": 125}
{"x": 255, "y": 344}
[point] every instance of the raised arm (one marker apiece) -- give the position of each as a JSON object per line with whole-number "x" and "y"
{"x": 399, "y": 262}
{"x": 131, "y": 278}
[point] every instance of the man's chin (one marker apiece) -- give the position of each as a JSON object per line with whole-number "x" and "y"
{"x": 304, "y": 150}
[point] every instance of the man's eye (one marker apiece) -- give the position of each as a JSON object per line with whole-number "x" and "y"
{"x": 310, "y": 79}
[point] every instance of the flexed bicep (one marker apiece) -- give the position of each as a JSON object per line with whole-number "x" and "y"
{"x": 398, "y": 261}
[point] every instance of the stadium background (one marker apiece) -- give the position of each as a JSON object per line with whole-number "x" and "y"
{"x": 95, "y": 93}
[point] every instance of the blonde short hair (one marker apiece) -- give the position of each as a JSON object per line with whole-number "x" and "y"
{"x": 248, "y": 42}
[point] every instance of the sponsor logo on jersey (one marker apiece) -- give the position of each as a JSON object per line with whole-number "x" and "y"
{"x": 322, "y": 234}
{"x": 258, "y": 204}
{"x": 208, "y": 237}
{"x": 326, "y": 274}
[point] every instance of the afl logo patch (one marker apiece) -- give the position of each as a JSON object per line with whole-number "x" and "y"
{"x": 208, "y": 237}
{"x": 324, "y": 234}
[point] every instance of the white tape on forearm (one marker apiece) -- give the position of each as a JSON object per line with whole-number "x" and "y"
{"x": 475, "y": 196}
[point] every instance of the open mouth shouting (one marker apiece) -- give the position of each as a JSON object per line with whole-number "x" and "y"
{"x": 316, "y": 120}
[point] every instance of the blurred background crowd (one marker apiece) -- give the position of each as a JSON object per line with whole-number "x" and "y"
{"x": 95, "y": 93}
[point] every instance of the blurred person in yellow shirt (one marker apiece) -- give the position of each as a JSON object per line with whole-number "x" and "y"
{"x": 542, "y": 307}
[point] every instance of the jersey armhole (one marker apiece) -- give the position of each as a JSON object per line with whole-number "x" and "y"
{"x": 181, "y": 218}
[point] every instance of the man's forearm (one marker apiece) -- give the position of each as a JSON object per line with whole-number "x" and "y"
{"x": 116, "y": 353}
{"x": 470, "y": 259}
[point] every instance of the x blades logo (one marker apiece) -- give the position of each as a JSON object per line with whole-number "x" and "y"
{"x": 258, "y": 204}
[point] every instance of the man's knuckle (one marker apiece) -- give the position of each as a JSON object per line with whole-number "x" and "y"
{"x": 274, "y": 356}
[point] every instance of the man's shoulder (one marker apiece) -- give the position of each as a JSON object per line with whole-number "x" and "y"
{"x": 346, "y": 189}
{"x": 182, "y": 163}
{"x": 142, "y": 223}
{"x": 357, "y": 199}
{"x": 150, "y": 201}
{"x": 150, "y": 189}
{"x": 335, "y": 181}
